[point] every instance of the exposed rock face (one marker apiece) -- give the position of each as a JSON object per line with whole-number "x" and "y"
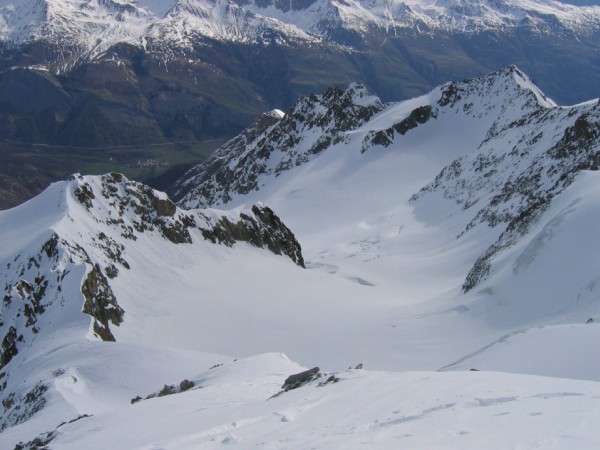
{"x": 27, "y": 294}
{"x": 385, "y": 138}
{"x": 19, "y": 409}
{"x": 300, "y": 379}
{"x": 133, "y": 208}
{"x": 164, "y": 207}
{"x": 273, "y": 146}
{"x": 148, "y": 212}
{"x": 262, "y": 229}
{"x": 531, "y": 154}
{"x": 101, "y": 304}
{"x": 168, "y": 389}
{"x": 9, "y": 347}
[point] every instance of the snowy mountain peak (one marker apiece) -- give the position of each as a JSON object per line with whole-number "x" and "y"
{"x": 497, "y": 99}
{"x": 275, "y": 144}
{"x": 527, "y": 84}
{"x": 359, "y": 95}
{"x": 87, "y": 28}
{"x": 530, "y": 154}
{"x": 316, "y": 123}
{"x": 506, "y": 85}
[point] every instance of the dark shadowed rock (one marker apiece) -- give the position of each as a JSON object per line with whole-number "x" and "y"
{"x": 264, "y": 230}
{"x": 20, "y": 408}
{"x": 300, "y": 379}
{"x": 9, "y": 347}
{"x": 164, "y": 207}
{"x": 384, "y": 138}
{"x": 101, "y": 304}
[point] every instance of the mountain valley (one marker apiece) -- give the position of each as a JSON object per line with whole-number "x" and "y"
{"x": 433, "y": 260}
{"x": 95, "y": 86}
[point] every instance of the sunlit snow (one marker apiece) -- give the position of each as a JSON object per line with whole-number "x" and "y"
{"x": 510, "y": 364}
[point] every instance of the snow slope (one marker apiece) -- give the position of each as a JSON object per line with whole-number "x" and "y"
{"x": 553, "y": 350}
{"x": 132, "y": 298}
{"x": 460, "y": 410}
{"x": 513, "y": 192}
{"x": 96, "y": 260}
{"x": 364, "y": 203}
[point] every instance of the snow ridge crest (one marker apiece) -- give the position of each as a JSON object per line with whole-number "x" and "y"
{"x": 274, "y": 145}
{"x": 70, "y": 265}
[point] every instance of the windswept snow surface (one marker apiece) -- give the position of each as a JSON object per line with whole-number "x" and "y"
{"x": 552, "y": 350}
{"x": 183, "y": 305}
{"x": 459, "y": 410}
{"x": 359, "y": 211}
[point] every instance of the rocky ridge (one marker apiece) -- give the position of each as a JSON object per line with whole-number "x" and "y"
{"x": 276, "y": 143}
{"x": 67, "y": 271}
{"x": 510, "y": 186}
{"x": 523, "y": 151}
{"x": 122, "y": 211}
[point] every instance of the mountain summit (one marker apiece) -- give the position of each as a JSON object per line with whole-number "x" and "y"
{"x": 277, "y": 143}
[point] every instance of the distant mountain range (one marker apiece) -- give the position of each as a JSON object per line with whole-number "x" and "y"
{"x": 90, "y": 75}
{"x": 93, "y": 27}
{"x": 372, "y": 39}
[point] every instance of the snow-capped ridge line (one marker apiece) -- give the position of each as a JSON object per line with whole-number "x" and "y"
{"x": 275, "y": 144}
{"x": 511, "y": 185}
{"x": 513, "y": 150}
{"x": 68, "y": 267}
{"x": 183, "y": 21}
